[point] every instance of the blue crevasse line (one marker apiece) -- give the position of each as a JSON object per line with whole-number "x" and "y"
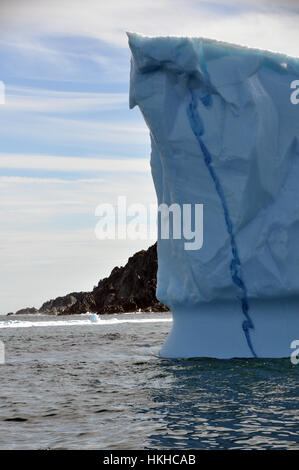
{"x": 197, "y": 127}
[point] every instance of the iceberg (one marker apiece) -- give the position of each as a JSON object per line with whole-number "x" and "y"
{"x": 224, "y": 132}
{"x": 94, "y": 318}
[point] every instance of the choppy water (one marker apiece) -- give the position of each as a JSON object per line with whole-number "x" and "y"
{"x": 69, "y": 384}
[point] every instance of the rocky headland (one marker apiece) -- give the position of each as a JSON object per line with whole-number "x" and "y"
{"x": 129, "y": 288}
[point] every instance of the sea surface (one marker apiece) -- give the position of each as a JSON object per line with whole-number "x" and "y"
{"x": 71, "y": 384}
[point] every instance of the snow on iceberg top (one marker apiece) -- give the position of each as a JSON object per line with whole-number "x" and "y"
{"x": 171, "y": 45}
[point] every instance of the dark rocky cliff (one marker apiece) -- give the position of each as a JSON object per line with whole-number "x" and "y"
{"x": 129, "y": 288}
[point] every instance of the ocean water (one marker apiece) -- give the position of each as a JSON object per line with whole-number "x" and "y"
{"x": 71, "y": 384}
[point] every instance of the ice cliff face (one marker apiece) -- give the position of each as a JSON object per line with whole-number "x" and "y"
{"x": 224, "y": 134}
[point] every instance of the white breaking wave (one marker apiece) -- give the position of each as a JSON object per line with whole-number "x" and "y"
{"x": 100, "y": 322}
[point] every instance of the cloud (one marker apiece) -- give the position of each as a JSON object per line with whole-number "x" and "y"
{"x": 269, "y": 5}
{"x": 43, "y": 181}
{"x": 28, "y": 99}
{"x": 74, "y": 164}
{"x": 82, "y": 121}
{"x": 57, "y": 205}
{"x": 250, "y": 23}
{"x": 69, "y": 133}
{"x": 47, "y": 239}
{"x": 80, "y": 59}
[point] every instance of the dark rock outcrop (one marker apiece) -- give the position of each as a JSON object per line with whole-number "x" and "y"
{"x": 128, "y": 289}
{"x": 26, "y": 311}
{"x": 76, "y": 302}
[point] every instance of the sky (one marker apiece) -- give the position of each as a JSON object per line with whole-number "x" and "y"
{"x": 68, "y": 139}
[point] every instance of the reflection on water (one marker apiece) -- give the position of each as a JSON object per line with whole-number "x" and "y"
{"x": 218, "y": 404}
{"x": 91, "y": 387}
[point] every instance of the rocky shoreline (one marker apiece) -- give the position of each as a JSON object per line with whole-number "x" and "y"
{"x": 129, "y": 288}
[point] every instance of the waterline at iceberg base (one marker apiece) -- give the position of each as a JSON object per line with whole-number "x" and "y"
{"x": 224, "y": 134}
{"x": 214, "y": 330}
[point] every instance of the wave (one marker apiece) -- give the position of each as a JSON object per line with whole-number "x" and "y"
{"x": 100, "y": 322}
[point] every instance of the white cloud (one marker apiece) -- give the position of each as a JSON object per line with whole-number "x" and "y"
{"x": 35, "y": 56}
{"x": 43, "y": 181}
{"x": 47, "y": 240}
{"x": 67, "y": 164}
{"x": 70, "y": 131}
{"x": 50, "y": 101}
{"x": 52, "y": 118}
{"x": 52, "y": 196}
{"x": 264, "y": 24}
